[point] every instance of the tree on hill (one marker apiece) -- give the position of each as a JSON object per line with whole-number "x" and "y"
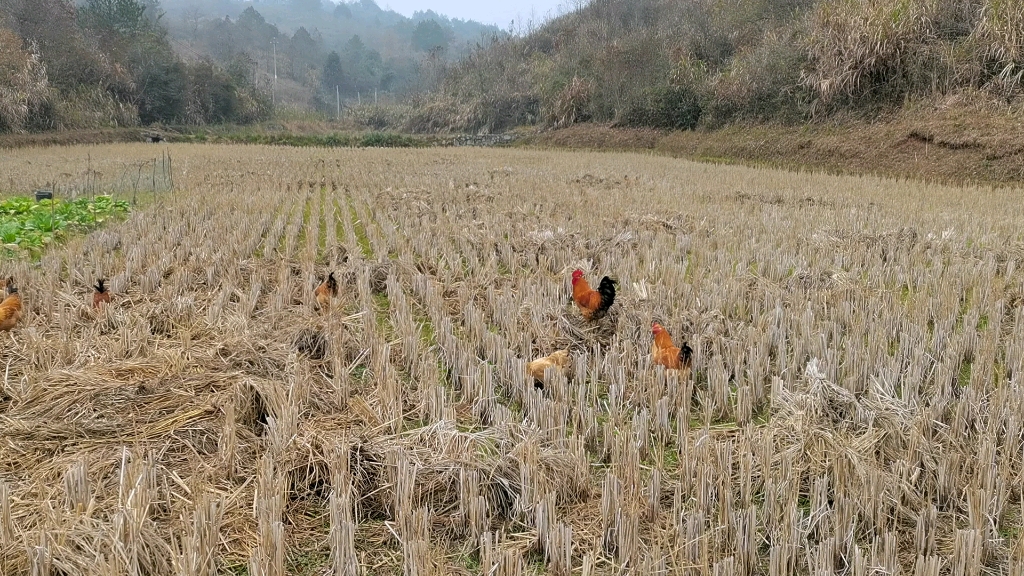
{"x": 125, "y": 18}
{"x": 70, "y": 61}
{"x": 332, "y": 74}
{"x": 221, "y": 39}
{"x": 428, "y": 36}
{"x": 369, "y": 6}
{"x": 363, "y": 67}
{"x": 136, "y": 40}
{"x": 110, "y": 63}
{"x": 254, "y": 30}
{"x": 304, "y": 52}
{"x": 191, "y": 18}
{"x": 342, "y": 11}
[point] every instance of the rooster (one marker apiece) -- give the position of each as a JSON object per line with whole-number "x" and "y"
{"x": 10, "y": 308}
{"x": 536, "y": 369}
{"x": 100, "y": 296}
{"x": 669, "y": 355}
{"x": 325, "y": 292}
{"x": 592, "y": 303}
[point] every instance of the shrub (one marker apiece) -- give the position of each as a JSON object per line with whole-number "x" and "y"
{"x": 1000, "y": 38}
{"x": 439, "y": 114}
{"x": 252, "y": 106}
{"x": 24, "y": 86}
{"x": 573, "y": 103}
{"x": 671, "y": 107}
{"x": 490, "y": 113}
{"x": 859, "y": 48}
{"x": 93, "y": 107}
{"x": 379, "y": 116}
{"x": 164, "y": 80}
{"x": 743, "y": 59}
{"x": 498, "y": 112}
{"x": 388, "y": 140}
{"x": 761, "y": 83}
{"x": 211, "y": 95}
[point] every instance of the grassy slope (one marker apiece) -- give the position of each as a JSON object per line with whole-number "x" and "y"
{"x": 956, "y": 144}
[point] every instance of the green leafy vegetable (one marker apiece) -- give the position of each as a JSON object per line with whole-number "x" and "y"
{"x": 29, "y": 226}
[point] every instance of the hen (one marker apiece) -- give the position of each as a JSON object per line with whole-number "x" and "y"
{"x": 669, "y": 355}
{"x": 592, "y": 303}
{"x": 325, "y": 292}
{"x": 10, "y": 308}
{"x": 100, "y": 296}
{"x": 536, "y": 369}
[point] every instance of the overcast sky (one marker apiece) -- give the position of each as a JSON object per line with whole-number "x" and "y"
{"x": 500, "y": 13}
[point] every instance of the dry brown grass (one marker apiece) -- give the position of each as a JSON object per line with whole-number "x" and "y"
{"x": 856, "y": 405}
{"x": 963, "y": 140}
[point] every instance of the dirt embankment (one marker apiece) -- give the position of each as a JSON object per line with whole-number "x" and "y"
{"x": 73, "y": 137}
{"x": 953, "y": 145}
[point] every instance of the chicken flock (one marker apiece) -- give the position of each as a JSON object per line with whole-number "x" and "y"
{"x": 592, "y": 304}
{"x": 11, "y": 305}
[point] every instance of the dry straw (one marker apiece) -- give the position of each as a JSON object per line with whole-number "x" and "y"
{"x": 855, "y": 405}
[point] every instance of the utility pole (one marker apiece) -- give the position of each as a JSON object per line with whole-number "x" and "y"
{"x": 337, "y": 93}
{"x": 274, "y": 92}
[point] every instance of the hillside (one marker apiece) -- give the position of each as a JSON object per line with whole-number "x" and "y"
{"x": 109, "y": 63}
{"x": 356, "y": 49}
{"x": 681, "y": 64}
{"x": 92, "y": 64}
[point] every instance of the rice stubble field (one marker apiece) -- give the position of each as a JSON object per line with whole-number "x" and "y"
{"x": 856, "y": 403}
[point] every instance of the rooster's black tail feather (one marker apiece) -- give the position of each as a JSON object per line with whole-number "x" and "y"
{"x": 685, "y": 355}
{"x": 607, "y": 291}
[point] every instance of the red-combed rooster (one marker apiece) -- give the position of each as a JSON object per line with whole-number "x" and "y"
{"x": 101, "y": 295}
{"x": 10, "y": 308}
{"x": 592, "y": 303}
{"x": 669, "y": 355}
